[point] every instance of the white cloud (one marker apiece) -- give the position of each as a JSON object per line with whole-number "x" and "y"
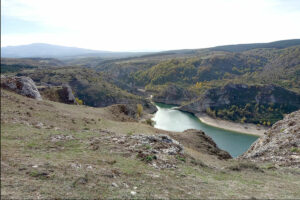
{"x": 153, "y": 24}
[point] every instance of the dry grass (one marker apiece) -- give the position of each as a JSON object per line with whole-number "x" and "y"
{"x": 56, "y": 160}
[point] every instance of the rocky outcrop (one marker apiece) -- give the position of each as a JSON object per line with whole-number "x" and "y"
{"x": 280, "y": 144}
{"x": 66, "y": 94}
{"x": 159, "y": 151}
{"x": 173, "y": 94}
{"x": 199, "y": 141}
{"x": 126, "y": 112}
{"x": 21, "y": 85}
{"x": 240, "y": 94}
{"x": 62, "y": 93}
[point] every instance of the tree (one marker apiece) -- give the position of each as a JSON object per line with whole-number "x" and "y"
{"x": 199, "y": 85}
{"x": 139, "y": 110}
{"x": 243, "y": 120}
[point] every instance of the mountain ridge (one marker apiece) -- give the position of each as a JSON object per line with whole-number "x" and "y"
{"x": 67, "y": 51}
{"x": 57, "y": 51}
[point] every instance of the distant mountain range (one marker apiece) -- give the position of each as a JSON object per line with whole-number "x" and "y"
{"x": 55, "y": 51}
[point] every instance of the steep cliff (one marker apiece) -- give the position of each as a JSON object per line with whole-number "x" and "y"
{"x": 246, "y": 103}
{"x": 173, "y": 94}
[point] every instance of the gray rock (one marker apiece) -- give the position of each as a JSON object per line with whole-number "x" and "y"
{"x": 21, "y": 85}
{"x": 114, "y": 184}
{"x": 66, "y": 94}
{"x": 280, "y": 144}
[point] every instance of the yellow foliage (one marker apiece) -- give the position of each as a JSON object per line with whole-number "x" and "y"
{"x": 199, "y": 85}
{"x": 79, "y": 102}
{"x": 139, "y": 110}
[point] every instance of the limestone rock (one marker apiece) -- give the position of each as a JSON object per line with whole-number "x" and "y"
{"x": 280, "y": 144}
{"x": 21, "y": 85}
{"x": 66, "y": 94}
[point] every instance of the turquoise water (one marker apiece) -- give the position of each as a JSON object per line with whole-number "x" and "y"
{"x": 168, "y": 118}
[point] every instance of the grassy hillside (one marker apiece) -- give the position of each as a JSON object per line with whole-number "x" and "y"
{"x": 54, "y": 150}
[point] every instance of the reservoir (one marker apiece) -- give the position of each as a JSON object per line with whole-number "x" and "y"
{"x": 170, "y": 119}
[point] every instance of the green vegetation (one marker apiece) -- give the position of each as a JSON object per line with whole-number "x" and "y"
{"x": 14, "y": 68}
{"x": 250, "y": 113}
{"x": 295, "y": 149}
{"x": 181, "y": 158}
{"x": 251, "y": 104}
{"x": 89, "y": 86}
{"x": 150, "y": 122}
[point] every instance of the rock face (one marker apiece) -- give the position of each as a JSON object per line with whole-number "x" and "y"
{"x": 62, "y": 93}
{"x": 66, "y": 94}
{"x": 240, "y": 94}
{"x": 281, "y": 143}
{"x": 173, "y": 95}
{"x": 21, "y": 85}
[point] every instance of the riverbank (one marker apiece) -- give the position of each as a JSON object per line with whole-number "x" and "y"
{"x": 246, "y": 128}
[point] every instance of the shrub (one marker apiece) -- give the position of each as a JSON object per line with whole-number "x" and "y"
{"x": 295, "y": 149}
{"x": 178, "y": 157}
{"x": 139, "y": 110}
{"x": 150, "y": 122}
{"x": 130, "y": 133}
{"x": 79, "y": 102}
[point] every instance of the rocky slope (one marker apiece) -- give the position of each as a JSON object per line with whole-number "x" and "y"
{"x": 280, "y": 144}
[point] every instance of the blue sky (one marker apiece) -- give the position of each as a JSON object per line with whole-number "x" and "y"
{"x": 135, "y": 25}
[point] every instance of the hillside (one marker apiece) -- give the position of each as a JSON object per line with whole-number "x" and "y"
{"x": 91, "y": 87}
{"x": 13, "y": 65}
{"x": 50, "y": 150}
{"x": 258, "y": 104}
{"x": 266, "y": 66}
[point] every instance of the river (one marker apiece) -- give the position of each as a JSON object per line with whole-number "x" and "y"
{"x": 170, "y": 119}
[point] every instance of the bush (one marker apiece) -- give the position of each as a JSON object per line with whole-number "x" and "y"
{"x": 139, "y": 110}
{"x": 150, "y": 122}
{"x": 79, "y": 102}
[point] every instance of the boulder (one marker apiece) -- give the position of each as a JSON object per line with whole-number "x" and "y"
{"x": 66, "y": 94}
{"x": 21, "y": 85}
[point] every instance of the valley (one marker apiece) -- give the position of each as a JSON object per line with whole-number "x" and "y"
{"x": 104, "y": 125}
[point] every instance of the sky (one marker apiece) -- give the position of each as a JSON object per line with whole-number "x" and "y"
{"x": 148, "y": 25}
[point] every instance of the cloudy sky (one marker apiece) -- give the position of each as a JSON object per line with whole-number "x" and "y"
{"x": 142, "y": 25}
